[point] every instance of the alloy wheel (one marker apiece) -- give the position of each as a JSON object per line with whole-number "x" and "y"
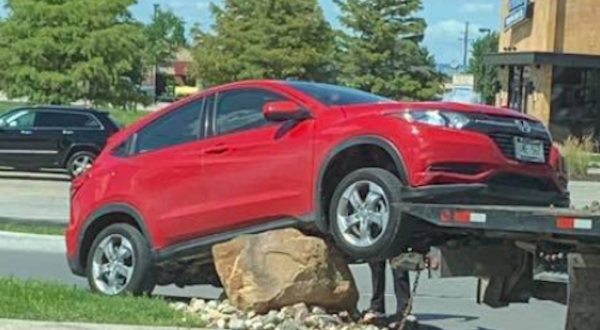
{"x": 363, "y": 213}
{"x": 81, "y": 164}
{"x": 113, "y": 264}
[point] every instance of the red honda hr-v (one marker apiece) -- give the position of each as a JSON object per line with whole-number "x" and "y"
{"x": 260, "y": 155}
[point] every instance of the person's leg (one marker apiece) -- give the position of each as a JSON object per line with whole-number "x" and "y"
{"x": 401, "y": 288}
{"x": 378, "y": 282}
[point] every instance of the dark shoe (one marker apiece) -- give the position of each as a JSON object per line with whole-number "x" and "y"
{"x": 372, "y": 317}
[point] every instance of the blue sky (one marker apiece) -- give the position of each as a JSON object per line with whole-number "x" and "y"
{"x": 446, "y": 20}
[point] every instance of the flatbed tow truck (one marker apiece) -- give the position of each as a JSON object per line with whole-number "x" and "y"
{"x": 519, "y": 253}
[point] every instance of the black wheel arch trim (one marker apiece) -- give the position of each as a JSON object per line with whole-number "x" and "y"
{"x": 376, "y": 140}
{"x": 75, "y": 263}
{"x": 68, "y": 153}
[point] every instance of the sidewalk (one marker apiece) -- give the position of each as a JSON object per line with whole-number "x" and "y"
{"x": 36, "y": 325}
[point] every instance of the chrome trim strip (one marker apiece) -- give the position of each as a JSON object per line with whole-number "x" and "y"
{"x": 508, "y": 124}
{"x": 25, "y": 152}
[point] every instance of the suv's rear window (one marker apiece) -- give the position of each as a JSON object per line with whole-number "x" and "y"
{"x": 337, "y": 95}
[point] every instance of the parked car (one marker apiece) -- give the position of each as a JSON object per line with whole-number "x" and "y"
{"x": 464, "y": 94}
{"x": 67, "y": 138}
{"x": 261, "y": 155}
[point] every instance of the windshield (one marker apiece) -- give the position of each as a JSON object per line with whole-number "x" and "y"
{"x": 337, "y": 95}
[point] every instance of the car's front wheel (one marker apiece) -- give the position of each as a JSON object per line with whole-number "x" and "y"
{"x": 119, "y": 261}
{"x": 364, "y": 216}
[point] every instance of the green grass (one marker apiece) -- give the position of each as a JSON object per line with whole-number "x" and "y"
{"x": 124, "y": 117}
{"x": 31, "y": 228}
{"x": 45, "y": 301}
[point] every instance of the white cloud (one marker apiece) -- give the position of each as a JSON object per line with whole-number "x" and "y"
{"x": 477, "y": 8}
{"x": 449, "y": 29}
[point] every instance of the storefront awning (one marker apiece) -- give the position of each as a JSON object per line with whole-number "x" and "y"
{"x": 540, "y": 58}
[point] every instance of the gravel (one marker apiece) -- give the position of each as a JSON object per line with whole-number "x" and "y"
{"x": 223, "y": 315}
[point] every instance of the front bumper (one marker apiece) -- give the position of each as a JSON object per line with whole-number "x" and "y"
{"x": 438, "y": 157}
{"x": 482, "y": 194}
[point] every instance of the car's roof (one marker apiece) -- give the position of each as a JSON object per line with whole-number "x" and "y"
{"x": 61, "y": 107}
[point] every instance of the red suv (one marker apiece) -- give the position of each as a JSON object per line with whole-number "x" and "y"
{"x": 260, "y": 155}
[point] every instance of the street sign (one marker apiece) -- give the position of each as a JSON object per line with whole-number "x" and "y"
{"x": 517, "y": 12}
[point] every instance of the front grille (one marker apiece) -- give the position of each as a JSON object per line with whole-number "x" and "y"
{"x": 506, "y": 142}
{"x": 503, "y": 130}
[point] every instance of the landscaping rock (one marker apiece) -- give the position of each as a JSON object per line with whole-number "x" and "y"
{"x": 296, "y": 317}
{"x": 281, "y": 268}
{"x": 237, "y": 324}
{"x": 197, "y": 305}
{"x": 290, "y": 325}
{"x": 300, "y": 312}
{"x": 179, "y": 306}
{"x": 222, "y": 324}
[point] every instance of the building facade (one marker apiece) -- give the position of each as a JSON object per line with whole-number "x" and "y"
{"x": 549, "y": 63}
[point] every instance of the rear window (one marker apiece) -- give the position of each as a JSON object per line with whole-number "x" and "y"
{"x": 337, "y": 95}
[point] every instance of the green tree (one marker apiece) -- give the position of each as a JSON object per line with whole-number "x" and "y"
{"x": 486, "y": 75}
{"x": 59, "y": 51}
{"x": 166, "y": 35}
{"x": 382, "y": 51}
{"x": 276, "y": 39}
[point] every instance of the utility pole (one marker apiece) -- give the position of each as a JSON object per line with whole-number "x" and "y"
{"x": 466, "y": 46}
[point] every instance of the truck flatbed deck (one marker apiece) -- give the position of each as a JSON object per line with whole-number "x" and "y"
{"x": 503, "y": 244}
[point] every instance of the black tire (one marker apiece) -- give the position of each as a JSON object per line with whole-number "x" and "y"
{"x": 391, "y": 241}
{"x": 143, "y": 278}
{"x": 71, "y": 165}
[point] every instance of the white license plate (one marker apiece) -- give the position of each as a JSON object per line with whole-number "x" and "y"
{"x": 528, "y": 150}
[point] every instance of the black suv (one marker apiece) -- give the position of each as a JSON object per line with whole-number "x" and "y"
{"x": 38, "y": 137}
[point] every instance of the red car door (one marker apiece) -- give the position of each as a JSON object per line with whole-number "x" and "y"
{"x": 254, "y": 170}
{"x": 165, "y": 171}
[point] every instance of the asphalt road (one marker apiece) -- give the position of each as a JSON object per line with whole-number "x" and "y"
{"x": 440, "y": 304}
{"x": 447, "y": 304}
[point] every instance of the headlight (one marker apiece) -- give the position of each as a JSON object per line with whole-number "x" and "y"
{"x": 438, "y": 118}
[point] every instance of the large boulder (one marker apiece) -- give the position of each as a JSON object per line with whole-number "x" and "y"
{"x": 281, "y": 268}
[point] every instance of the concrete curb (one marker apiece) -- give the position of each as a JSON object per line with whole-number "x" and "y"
{"x": 6, "y": 324}
{"x": 32, "y": 242}
{"x": 34, "y": 222}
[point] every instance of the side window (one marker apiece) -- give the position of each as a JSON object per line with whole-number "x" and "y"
{"x": 178, "y": 126}
{"x": 18, "y": 119}
{"x": 242, "y": 109}
{"x": 65, "y": 119}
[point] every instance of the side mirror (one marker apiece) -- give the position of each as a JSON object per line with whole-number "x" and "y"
{"x": 284, "y": 111}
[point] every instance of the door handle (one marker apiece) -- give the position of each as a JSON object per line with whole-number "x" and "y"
{"x": 217, "y": 150}
{"x": 67, "y": 132}
{"x": 25, "y": 132}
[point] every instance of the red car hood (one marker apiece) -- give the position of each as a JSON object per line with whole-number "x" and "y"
{"x": 464, "y": 107}
{"x": 363, "y": 109}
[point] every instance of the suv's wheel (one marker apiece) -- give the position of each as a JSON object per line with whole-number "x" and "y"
{"x": 364, "y": 218}
{"x": 79, "y": 162}
{"x": 120, "y": 262}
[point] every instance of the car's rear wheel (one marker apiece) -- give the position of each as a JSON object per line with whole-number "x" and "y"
{"x": 120, "y": 262}
{"x": 364, "y": 216}
{"x": 80, "y": 162}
